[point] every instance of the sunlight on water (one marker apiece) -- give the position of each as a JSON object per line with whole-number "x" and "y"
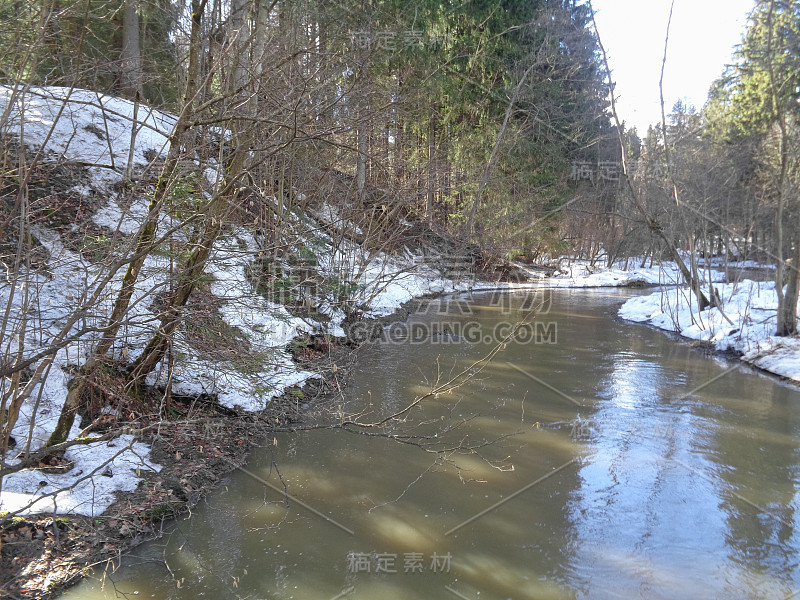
{"x": 394, "y": 531}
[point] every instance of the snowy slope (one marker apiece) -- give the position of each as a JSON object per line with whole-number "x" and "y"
{"x": 92, "y": 129}
{"x": 84, "y": 126}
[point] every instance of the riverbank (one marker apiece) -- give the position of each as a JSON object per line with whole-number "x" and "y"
{"x": 743, "y": 325}
{"x": 207, "y": 439}
{"x": 260, "y": 334}
{"x": 42, "y": 554}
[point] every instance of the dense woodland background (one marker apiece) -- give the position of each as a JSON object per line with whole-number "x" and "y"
{"x": 474, "y": 115}
{"x": 481, "y": 116}
{"x": 489, "y": 123}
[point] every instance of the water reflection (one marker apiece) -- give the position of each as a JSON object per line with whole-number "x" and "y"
{"x": 658, "y": 494}
{"x": 669, "y": 502}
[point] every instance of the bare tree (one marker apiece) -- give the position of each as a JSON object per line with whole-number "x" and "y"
{"x": 145, "y": 238}
{"x": 653, "y": 224}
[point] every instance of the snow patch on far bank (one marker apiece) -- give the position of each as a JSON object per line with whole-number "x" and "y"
{"x": 745, "y": 324}
{"x": 584, "y": 274}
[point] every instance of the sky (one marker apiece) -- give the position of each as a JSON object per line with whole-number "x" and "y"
{"x": 702, "y": 36}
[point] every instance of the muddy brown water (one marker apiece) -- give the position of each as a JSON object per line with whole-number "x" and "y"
{"x": 592, "y": 459}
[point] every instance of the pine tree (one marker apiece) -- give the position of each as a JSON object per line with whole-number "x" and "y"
{"x": 757, "y": 99}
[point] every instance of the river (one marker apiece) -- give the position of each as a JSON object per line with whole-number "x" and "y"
{"x": 591, "y": 458}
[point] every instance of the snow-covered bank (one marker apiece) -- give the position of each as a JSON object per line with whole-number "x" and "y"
{"x": 383, "y": 286}
{"x": 90, "y": 129}
{"x": 746, "y": 323}
{"x": 86, "y": 127}
{"x": 581, "y": 273}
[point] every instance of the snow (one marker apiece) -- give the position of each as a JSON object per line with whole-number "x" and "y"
{"x": 389, "y": 283}
{"x": 125, "y": 219}
{"x": 81, "y": 493}
{"x": 268, "y": 328}
{"x": 582, "y": 274}
{"x": 85, "y": 126}
{"x": 746, "y": 323}
{"x": 99, "y": 470}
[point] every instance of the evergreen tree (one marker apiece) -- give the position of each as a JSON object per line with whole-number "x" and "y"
{"x": 755, "y": 105}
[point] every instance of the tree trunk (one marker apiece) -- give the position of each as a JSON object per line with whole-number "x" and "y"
{"x": 787, "y": 303}
{"x": 191, "y": 272}
{"x": 143, "y": 243}
{"x": 130, "y": 57}
{"x": 787, "y": 313}
{"x": 702, "y": 301}
{"x": 188, "y": 278}
{"x": 49, "y": 30}
{"x": 361, "y": 159}
{"x": 431, "y": 163}
{"x": 238, "y": 35}
{"x": 779, "y": 254}
{"x": 242, "y": 136}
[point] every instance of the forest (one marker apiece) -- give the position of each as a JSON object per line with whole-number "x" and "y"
{"x": 490, "y": 119}
{"x": 296, "y": 141}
